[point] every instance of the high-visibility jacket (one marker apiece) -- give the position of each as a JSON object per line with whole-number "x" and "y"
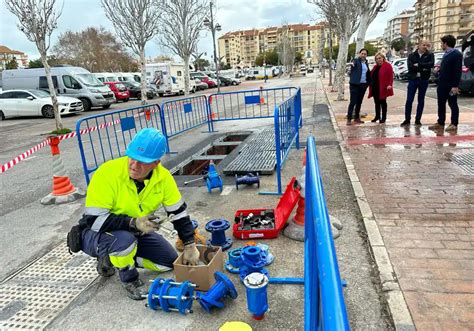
{"x": 112, "y": 199}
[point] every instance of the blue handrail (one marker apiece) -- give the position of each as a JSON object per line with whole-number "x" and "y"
{"x": 324, "y": 301}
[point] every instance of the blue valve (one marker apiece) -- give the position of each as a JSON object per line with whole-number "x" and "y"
{"x": 213, "y": 180}
{"x": 217, "y": 229}
{"x": 169, "y": 295}
{"x": 217, "y": 293}
{"x": 253, "y": 260}
{"x": 256, "y": 287}
{"x": 248, "y": 179}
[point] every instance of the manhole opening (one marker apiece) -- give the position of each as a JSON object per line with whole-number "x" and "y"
{"x": 195, "y": 167}
{"x": 236, "y": 137}
{"x": 220, "y": 150}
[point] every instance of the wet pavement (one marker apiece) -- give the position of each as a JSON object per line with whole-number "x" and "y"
{"x": 419, "y": 185}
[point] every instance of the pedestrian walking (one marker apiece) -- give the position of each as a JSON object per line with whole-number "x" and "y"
{"x": 419, "y": 63}
{"x": 448, "y": 84}
{"x": 381, "y": 86}
{"x": 359, "y": 80}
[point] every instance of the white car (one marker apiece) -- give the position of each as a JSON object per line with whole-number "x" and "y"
{"x": 35, "y": 102}
{"x": 399, "y": 65}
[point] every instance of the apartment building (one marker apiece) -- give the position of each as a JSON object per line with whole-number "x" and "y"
{"x": 402, "y": 25}
{"x": 6, "y": 55}
{"x": 436, "y": 18}
{"x": 240, "y": 48}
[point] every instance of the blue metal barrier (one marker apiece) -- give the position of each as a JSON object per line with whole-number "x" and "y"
{"x": 324, "y": 301}
{"x": 247, "y": 104}
{"x": 106, "y": 136}
{"x": 178, "y": 116}
{"x": 287, "y": 122}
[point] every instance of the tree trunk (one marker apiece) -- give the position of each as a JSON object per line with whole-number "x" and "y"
{"x": 186, "y": 75}
{"x": 52, "y": 92}
{"x": 363, "y": 26}
{"x": 341, "y": 65}
{"x": 143, "y": 74}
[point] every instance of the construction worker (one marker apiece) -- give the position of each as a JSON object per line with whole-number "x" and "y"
{"x": 117, "y": 226}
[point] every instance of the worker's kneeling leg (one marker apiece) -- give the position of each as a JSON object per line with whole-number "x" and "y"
{"x": 155, "y": 253}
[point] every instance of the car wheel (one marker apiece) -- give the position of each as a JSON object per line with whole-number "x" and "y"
{"x": 139, "y": 95}
{"x": 86, "y": 104}
{"x": 160, "y": 95}
{"x": 125, "y": 100}
{"x": 47, "y": 111}
{"x": 193, "y": 90}
{"x": 106, "y": 107}
{"x": 2, "y": 116}
{"x": 234, "y": 83}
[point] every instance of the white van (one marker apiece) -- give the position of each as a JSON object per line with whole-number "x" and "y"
{"x": 168, "y": 78}
{"x": 128, "y": 77}
{"x": 69, "y": 81}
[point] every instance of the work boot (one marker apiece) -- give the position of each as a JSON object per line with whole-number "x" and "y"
{"x": 105, "y": 267}
{"x": 418, "y": 123}
{"x": 451, "y": 127}
{"x": 375, "y": 120}
{"x": 405, "y": 123}
{"x": 348, "y": 122}
{"x": 136, "y": 290}
{"x": 358, "y": 121}
{"x": 436, "y": 126}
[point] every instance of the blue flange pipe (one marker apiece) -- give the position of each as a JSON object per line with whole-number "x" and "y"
{"x": 168, "y": 295}
{"x": 217, "y": 229}
{"x": 248, "y": 179}
{"x": 234, "y": 262}
{"x": 256, "y": 287}
{"x": 217, "y": 293}
{"x": 253, "y": 260}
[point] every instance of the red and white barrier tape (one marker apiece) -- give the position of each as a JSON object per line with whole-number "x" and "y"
{"x": 24, "y": 155}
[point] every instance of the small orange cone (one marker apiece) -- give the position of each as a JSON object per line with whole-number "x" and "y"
{"x": 147, "y": 114}
{"x": 262, "y": 99}
{"x": 63, "y": 190}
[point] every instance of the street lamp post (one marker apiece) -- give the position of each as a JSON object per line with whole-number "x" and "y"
{"x": 209, "y": 23}
{"x": 330, "y": 56}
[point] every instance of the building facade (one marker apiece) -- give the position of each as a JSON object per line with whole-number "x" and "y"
{"x": 240, "y": 48}
{"x": 436, "y": 18}
{"x": 402, "y": 25}
{"x": 6, "y": 55}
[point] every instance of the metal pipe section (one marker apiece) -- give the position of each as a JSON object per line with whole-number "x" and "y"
{"x": 322, "y": 278}
{"x": 256, "y": 287}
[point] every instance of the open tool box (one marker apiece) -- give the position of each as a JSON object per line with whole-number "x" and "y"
{"x": 266, "y": 223}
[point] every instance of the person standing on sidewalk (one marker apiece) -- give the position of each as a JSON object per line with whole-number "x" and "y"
{"x": 419, "y": 71}
{"x": 359, "y": 80}
{"x": 381, "y": 86}
{"x": 450, "y": 72}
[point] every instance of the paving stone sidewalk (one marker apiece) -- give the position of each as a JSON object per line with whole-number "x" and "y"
{"x": 419, "y": 185}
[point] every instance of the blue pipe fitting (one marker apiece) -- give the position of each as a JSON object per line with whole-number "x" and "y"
{"x": 234, "y": 262}
{"x": 195, "y": 224}
{"x": 217, "y": 229}
{"x": 253, "y": 260}
{"x": 265, "y": 248}
{"x": 256, "y": 287}
{"x": 213, "y": 180}
{"x": 217, "y": 293}
{"x": 248, "y": 179}
{"x": 168, "y": 295}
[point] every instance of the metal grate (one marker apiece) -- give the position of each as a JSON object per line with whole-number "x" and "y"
{"x": 258, "y": 155}
{"x": 36, "y": 295}
{"x": 465, "y": 161}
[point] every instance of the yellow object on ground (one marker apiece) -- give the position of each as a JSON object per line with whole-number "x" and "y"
{"x": 235, "y": 326}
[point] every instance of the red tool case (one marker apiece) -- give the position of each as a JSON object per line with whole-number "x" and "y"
{"x": 281, "y": 214}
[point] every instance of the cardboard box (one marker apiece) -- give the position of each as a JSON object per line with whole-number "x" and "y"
{"x": 201, "y": 275}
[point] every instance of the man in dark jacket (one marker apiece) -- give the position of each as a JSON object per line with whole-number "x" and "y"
{"x": 359, "y": 80}
{"x": 450, "y": 72}
{"x": 419, "y": 63}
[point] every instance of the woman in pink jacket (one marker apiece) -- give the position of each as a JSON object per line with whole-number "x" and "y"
{"x": 381, "y": 86}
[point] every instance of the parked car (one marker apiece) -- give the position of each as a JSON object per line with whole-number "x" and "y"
{"x": 400, "y": 68}
{"x": 310, "y": 70}
{"x": 135, "y": 91}
{"x": 225, "y": 81}
{"x": 69, "y": 81}
{"x": 204, "y": 78}
{"x": 35, "y": 102}
{"x": 435, "y": 72}
{"x": 200, "y": 85}
{"x": 120, "y": 90}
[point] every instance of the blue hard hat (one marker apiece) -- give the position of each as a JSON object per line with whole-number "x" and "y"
{"x": 148, "y": 146}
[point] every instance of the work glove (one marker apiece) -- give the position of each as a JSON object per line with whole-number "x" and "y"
{"x": 145, "y": 224}
{"x": 191, "y": 254}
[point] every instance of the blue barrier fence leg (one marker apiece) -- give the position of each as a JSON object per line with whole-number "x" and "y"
{"x": 277, "y": 155}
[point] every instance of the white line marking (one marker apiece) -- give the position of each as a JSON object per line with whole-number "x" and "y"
{"x": 227, "y": 189}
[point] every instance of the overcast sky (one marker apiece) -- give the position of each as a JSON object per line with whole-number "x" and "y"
{"x": 231, "y": 14}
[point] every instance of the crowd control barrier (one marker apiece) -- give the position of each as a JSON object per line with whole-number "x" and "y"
{"x": 324, "y": 307}
{"x": 184, "y": 114}
{"x": 287, "y": 122}
{"x": 106, "y": 136}
{"x": 247, "y": 104}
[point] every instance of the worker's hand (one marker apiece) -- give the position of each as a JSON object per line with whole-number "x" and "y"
{"x": 191, "y": 255}
{"x": 389, "y": 87}
{"x": 455, "y": 90}
{"x": 144, "y": 224}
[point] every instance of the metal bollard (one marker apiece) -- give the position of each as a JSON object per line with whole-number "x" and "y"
{"x": 217, "y": 293}
{"x": 248, "y": 179}
{"x": 217, "y": 229}
{"x": 169, "y": 295}
{"x": 256, "y": 287}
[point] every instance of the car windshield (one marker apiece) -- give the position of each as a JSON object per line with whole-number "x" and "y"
{"x": 89, "y": 80}
{"x": 39, "y": 93}
{"x": 133, "y": 83}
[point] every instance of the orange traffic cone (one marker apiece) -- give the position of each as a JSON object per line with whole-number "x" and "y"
{"x": 63, "y": 190}
{"x": 295, "y": 228}
{"x": 262, "y": 99}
